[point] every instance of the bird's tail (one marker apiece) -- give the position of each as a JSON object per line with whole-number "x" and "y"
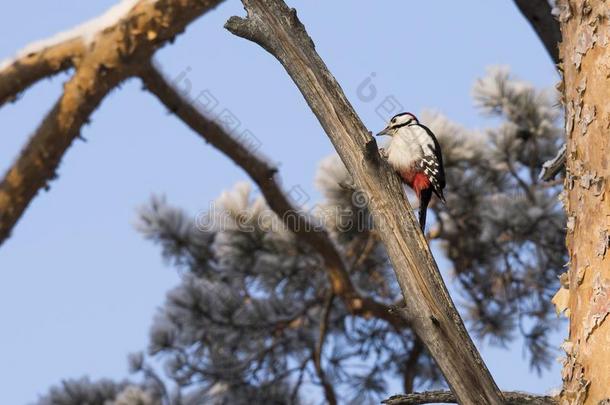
{"x": 440, "y": 196}
{"x": 424, "y": 200}
{"x": 422, "y": 218}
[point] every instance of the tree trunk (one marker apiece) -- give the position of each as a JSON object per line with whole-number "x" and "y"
{"x": 585, "y": 58}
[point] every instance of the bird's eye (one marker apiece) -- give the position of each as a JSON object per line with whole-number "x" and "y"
{"x": 393, "y": 120}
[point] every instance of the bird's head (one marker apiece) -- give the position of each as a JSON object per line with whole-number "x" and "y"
{"x": 398, "y": 121}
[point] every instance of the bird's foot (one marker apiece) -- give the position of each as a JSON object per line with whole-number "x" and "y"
{"x": 348, "y": 185}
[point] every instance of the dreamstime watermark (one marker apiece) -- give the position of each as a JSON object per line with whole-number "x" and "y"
{"x": 385, "y": 106}
{"x": 317, "y": 219}
{"x": 300, "y": 218}
{"x": 298, "y": 196}
{"x": 207, "y": 103}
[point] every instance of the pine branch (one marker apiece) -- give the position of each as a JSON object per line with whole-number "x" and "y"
{"x": 37, "y": 164}
{"x": 119, "y": 49}
{"x": 329, "y": 391}
{"x": 538, "y": 14}
{"x": 275, "y": 27}
{"x": 447, "y": 397}
{"x": 264, "y": 176}
{"x": 19, "y": 74}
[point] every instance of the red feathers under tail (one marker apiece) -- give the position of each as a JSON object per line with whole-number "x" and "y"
{"x": 420, "y": 183}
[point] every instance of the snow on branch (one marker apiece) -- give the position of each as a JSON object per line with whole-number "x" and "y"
{"x": 86, "y": 32}
{"x": 52, "y": 55}
{"x": 118, "y": 52}
{"x": 16, "y": 76}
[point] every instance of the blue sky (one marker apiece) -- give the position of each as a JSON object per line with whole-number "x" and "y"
{"x": 79, "y": 286}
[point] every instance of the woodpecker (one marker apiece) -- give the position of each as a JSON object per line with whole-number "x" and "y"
{"x": 415, "y": 154}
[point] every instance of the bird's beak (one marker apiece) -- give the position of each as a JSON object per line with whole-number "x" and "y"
{"x": 386, "y": 131}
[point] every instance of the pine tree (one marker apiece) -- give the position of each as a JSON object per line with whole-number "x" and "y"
{"x": 253, "y": 320}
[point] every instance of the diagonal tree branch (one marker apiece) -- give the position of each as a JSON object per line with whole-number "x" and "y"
{"x": 447, "y": 397}
{"x": 539, "y": 14}
{"x": 113, "y": 57}
{"x": 540, "y": 17}
{"x": 264, "y": 176}
{"x": 275, "y": 27}
{"x": 38, "y": 161}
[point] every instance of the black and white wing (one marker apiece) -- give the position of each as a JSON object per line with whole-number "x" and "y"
{"x": 432, "y": 164}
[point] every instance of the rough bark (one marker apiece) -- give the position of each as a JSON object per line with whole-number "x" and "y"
{"x": 114, "y": 57}
{"x": 447, "y": 397}
{"x": 275, "y": 27}
{"x": 264, "y": 176}
{"x": 538, "y": 13}
{"x": 20, "y": 74}
{"x": 585, "y": 58}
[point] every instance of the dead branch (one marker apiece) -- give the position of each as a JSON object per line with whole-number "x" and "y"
{"x": 264, "y": 176}
{"x": 275, "y": 27}
{"x": 447, "y": 397}
{"x": 538, "y": 14}
{"x": 112, "y": 58}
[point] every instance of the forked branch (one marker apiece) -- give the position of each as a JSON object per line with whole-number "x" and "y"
{"x": 119, "y": 48}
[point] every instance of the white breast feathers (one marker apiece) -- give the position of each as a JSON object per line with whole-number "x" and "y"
{"x": 408, "y": 147}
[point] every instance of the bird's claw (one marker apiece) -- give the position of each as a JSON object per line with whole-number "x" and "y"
{"x": 348, "y": 185}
